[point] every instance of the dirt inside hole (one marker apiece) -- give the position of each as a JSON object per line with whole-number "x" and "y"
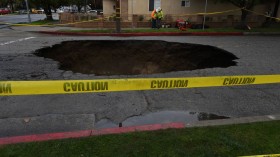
{"x": 132, "y": 57}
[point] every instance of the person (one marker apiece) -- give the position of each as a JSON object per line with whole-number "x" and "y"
{"x": 153, "y": 16}
{"x": 159, "y": 17}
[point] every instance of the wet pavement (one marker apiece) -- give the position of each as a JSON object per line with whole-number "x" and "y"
{"x": 160, "y": 117}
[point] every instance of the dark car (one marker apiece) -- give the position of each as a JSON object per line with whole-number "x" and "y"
{"x": 4, "y": 11}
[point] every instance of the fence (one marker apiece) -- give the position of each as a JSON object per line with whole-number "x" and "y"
{"x": 136, "y": 21}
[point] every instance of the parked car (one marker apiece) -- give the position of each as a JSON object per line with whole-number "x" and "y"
{"x": 4, "y": 11}
{"x": 97, "y": 11}
{"x": 38, "y": 11}
{"x": 92, "y": 11}
{"x": 59, "y": 10}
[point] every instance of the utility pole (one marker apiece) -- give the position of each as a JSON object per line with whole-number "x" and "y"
{"x": 118, "y": 16}
{"x": 27, "y": 8}
{"x": 132, "y": 14}
{"x": 205, "y": 10}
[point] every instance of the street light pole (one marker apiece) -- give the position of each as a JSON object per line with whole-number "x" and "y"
{"x": 205, "y": 10}
{"x": 27, "y": 7}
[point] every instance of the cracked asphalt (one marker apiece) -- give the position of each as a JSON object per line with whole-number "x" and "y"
{"x": 24, "y": 115}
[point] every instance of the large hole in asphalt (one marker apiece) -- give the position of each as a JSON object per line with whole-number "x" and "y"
{"x": 132, "y": 57}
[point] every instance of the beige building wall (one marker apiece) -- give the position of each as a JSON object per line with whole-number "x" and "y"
{"x": 138, "y": 7}
{"x": 108, "y": 7}
{"x": 141, "y": 7}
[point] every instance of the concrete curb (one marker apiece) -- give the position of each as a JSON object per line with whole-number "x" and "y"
{"x": 262, "y": 33}
{"x": 232, "y": 121}
{"x": 88, "y": 133}
{"x": 145, "y": 34}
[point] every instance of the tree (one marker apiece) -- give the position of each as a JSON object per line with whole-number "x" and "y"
{"x": 11, "y": 4}
{"x": 245, "y": 5}
{"x": 48, "y": 5}
{"x": 276, "y": 7}
{"x": 96, "y": 4}
{"x": 271, "y": 13}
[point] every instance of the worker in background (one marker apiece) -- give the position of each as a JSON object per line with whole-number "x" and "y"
{"x": 159, "y": 17}
{"x": 153, "y": 16}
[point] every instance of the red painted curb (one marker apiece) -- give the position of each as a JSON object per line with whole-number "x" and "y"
{"x": 43, "y": 137}
{"x": 146, "y": 34}
{"x": 137, "y": 128}
{"x": 86, "y": 133}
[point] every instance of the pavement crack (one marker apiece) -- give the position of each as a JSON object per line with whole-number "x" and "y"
{"x": 149, "y": 104}
{"x": 135, "y": 115}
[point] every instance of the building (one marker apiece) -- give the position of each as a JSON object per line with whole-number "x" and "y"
{"x": 180, "y": 9}
{"x": 136, "y": 13}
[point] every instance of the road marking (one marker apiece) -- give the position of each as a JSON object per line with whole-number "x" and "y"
{"x": 14, "y": 41}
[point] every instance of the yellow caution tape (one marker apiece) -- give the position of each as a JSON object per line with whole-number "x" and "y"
{"x": 261, "y": 14}
{"x": 212, "y": 13}
{"x": 104, "y": 18}
{"x": 65, "y": 24}
{"x": 269, "y": 155}
{"x": 113, "y": 85}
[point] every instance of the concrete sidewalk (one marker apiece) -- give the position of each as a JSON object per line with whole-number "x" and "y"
{"x": 119, "y": 130}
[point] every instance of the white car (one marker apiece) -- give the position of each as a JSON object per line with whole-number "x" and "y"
{"x": 59, "y": 10}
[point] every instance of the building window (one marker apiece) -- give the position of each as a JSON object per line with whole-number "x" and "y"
{"x": 186, "y": 3}
{"x": 153, "y": 4}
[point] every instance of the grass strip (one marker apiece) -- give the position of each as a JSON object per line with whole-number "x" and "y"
{"x": 44, "y": 22}
{"x": 230, "y": 140}
{"x": 165, "y": 30}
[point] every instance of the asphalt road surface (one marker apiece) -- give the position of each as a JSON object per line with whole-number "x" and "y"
{"x": 23, "y": 18}
{"x": 22, "y": 115}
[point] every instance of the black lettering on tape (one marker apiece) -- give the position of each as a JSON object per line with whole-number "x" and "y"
{"x": 85, "y": 86}
{"x": 153, "y": 84}
{"x": 165, "y": 84}
{"x": 226, "y": 81}
{"x": 66, "y": 87}
{"x": 5, "y": 88}
{"x": 74, "y": 86}
{"x": 81, "y": 86}
{"x": 238, "y": 81}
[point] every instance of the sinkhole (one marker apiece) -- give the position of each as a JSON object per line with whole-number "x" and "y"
{"x": 134, "y": 57}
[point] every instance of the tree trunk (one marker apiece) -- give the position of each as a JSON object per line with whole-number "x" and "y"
{"x": 243, "y": 24}
{"x": 12, "y": 6}
{"x": 275, "y": 12}
{"x": 48, "y": 13}
{"x": 270, "y": 21}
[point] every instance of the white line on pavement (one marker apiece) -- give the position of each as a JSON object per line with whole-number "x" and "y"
{"x": 19, "y": 40}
